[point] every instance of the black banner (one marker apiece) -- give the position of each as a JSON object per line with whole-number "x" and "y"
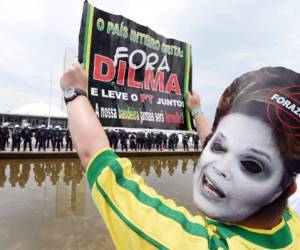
{"x": 137, "y": 78}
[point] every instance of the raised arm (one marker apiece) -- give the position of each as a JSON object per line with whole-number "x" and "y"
{"x": 203, "y": 124}
{"x": 87, "y": 132}
{"x": 136, "y": 216}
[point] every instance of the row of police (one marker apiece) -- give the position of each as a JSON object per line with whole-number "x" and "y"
{"x": 151, "y": 140}
{"x": 42, "y": 137}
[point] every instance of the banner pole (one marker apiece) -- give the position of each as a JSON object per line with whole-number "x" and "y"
{"x": 50, "y": 96}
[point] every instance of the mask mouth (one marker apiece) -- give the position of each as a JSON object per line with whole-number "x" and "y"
{"x": 211, "y": 189}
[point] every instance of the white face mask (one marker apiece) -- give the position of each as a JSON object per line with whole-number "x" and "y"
{"x": 240, "y": 170}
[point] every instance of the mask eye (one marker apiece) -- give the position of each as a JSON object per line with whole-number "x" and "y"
{"x": 217, "y": 147}
{"x": 252, "y": 167}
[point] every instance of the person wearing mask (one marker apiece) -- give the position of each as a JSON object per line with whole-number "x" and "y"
{"x": 262, "y": 156}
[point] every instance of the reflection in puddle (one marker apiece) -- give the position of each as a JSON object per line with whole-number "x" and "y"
{"x": 46, "y": 204}
{"x": 19, "y": 172}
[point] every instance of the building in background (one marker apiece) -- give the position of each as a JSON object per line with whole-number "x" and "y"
{"x": 36, "y": 114}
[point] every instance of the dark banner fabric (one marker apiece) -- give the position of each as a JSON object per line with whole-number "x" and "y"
{"x": 137, "y": 78}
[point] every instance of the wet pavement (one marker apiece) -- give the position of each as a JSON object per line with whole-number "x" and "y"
{"x": 46, "y": 203}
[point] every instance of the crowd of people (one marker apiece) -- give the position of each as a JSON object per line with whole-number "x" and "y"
{"x": 151, "y": 140}
{"x": 42, "y": 138}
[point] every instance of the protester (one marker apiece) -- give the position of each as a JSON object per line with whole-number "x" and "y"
{"x": 234, "y": 163}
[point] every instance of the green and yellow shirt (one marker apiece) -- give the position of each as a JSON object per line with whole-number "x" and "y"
{"x": 138, "y": 218}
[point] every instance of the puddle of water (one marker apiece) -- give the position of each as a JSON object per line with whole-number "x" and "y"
{"x": 46, "y": 203}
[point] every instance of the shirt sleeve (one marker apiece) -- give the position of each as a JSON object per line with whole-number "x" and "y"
{"x": 136, "y": 216}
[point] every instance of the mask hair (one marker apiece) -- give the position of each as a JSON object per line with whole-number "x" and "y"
{"x": 207, "y": 139}
{"x": 248, "y": 95}
{"x": 277, "y": 207}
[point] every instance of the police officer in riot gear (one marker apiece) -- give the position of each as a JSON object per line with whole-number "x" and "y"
{"x": 123, "y": 140}
{"x": 132, "y": 142}
{"x": 2, "y": 139}
{"x": 6, "y": 134}
{"x": 50, "y": 132}
{"x": 61, "y": 137}
{"x": 56, "y": 138}
{"x": 196, "y": 142}
{"x": 16, "y": 138}
{"x": 159, "y": 141}
{"x": 185, "y": 140}
{"x": 42, "y": 138}
{"x": 149, "y": 140}
{"x": 69, "y": 143}
{"x": 171, "y": 142}
{"x": 108, "y": 136}
{"x": 37, "y": 136}
{"x": 139, "y": 141}
{"x": 165, "y": 140}
{"x": 114, "y": 139}
{"x": 27, "y": 137}
{"x": 176, "y": 137}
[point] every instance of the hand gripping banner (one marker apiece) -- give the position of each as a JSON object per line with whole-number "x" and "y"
{"x": 137, "y": 78}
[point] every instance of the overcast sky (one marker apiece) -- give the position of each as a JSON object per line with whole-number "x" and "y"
{"x": 228, "y": 37}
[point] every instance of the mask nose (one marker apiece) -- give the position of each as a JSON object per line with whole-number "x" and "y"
{"x": 223, "y": 168}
